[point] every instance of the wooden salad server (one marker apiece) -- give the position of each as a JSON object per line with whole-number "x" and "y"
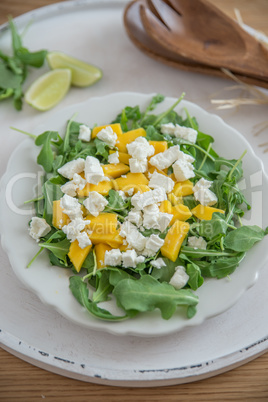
{"x": 145, "y": 43}
{"x": 197, "y": 30}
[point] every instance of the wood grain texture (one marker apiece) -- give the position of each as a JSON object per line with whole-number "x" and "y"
{"x": 20, "y": 381}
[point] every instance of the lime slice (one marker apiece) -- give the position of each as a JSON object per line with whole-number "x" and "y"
{"x": 49, "y": 89}
{"x": 83, "y": 74}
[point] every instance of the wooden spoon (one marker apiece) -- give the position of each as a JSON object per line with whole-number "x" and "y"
{"x": 145, "y": 43}
{"x": 197, "y": 30}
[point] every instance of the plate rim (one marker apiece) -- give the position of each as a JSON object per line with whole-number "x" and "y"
{"x": 134, "y": 378}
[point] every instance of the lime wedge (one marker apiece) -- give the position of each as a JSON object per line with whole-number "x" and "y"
{"x": 49, "y": 89}
{"x": 83, "y": 74}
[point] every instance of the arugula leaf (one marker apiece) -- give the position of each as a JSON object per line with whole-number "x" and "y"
{"x": 221, "y": 267}
{"x": 243, "y": 238}
{"x": 117, "y": 204}
{"x": 46, "y": 155}
{"x": 13, "y": 69}
{"x": 51, "y": 192}
{"x": 80, "y": 291}
{"x": 59, "y": 249}
{"x": 147, "y": 294}
{"x": 214, "y": 227}
{"x": 103, "y": 287}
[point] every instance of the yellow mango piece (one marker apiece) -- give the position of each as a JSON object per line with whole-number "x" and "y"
{"x": 114, "y": 240}
{"x": 143, "y": 188}
{"x": 174, "y": 200}
{"x": 159, "y": 146}
{"x": 174, "y": 240}
{"x": 100, "y": 253}
{"x": 204, "y": 212}
{"x": 59, "y": 218}
{"x": 103, "y": 224}
{"x": 128, "y": 137}
{"x": 132, "y": 180}
{"x": 180, "y": 212}
{"x": 122, "y": 156}
{"x": 166, "y": 206}
{"x": 78, "y": 255}
{"x": 116, "y": 129}
{"x": 153, "y": 169}
{"x": 183, "y": 188}
{"x": 123, "y": 247}
{"x": 103, "y": 188}
{"x": 115, "y": 170}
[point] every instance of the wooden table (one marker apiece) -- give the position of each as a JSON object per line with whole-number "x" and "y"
{"x": 20, "y": 381}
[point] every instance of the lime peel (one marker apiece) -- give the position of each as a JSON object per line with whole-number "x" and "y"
{"x": 49, "y": 89}
{"x": 83, "y": 74}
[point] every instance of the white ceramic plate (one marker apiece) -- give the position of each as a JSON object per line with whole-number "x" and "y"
{"x": 51, "y": 283}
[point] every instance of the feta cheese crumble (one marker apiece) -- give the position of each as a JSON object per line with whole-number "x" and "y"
{"x": 39, "y": 228}
{"x": 197, "y": 242}
{"x": 113, "y": 257}
{"x": 203, "y": 194}
{"x": 183, "y": 168}
{"x": 140, "y": 149}
{"x": 95, "y": 203}
{"x": 108, "y": 136}
{"x": 73, "y": 231}
{"x": 71, "y": 207}
{"x": 114, "y": 158}
{"x": 141, "y": 200}
{"x": 84, "y": 133}
{"x": 93, "y": 170}
{"x": 130, "y": 259}
{"x": 70, "y": 168}
{"x": 160, "y": 180}
{"x": 133, "y": 237}
{"x": 178, "y": 131}
{"x": 180, "y": 278}
{"x": 165, "y": 159}
{"x": 138, "y": 165}
{"x": 158, "y": 263}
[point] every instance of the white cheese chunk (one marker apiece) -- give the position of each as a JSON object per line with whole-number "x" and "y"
{"x": 183, "y": 170}
{"x": 140, "y": 149}
{"x": 113, "y": 257}
{"x": 72, "y": 167}
{"x": 95, "y": 203}
{"x": 108, "y": 136}
{"x": 167, "y": 128}
{"x": 79, "y": 181}
{"x": 178, "y": 131}
{"x": 39, "y": 228}
{"x": 138, "y": 165}
{"x": 185, "y": 133}
{"x": 74, "y": 229}
{"x": 160, "y": 180}
{"x": 135, "y": 217}
{"x": 84, "y": 133}
{"x": 114, "y": 158}
{"x": 71, "y": 207}
{"x": 158, "y": 263}
{"x": 83, "y": 240}
{"x": 165, "y": 159}
{"x": 93, "y": 170}
{"x": 133, "y": 237}
{"x": 69, "y": 188}
{"x": 197, "y": 242}
{"x": 154, "y": 219}
{"x": 154, "y": 243}
{"x": 140, "y": 201}
{"x": 131, "y": 259}
{"x": 122, "y": 194}
{"x": 203, "y": 194}
{"x": 180, "y": 278}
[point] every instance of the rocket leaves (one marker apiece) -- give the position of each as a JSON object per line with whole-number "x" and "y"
{"x": 14, "y": 69}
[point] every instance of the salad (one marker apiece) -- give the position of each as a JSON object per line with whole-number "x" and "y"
{"x": 141, "y": 209}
